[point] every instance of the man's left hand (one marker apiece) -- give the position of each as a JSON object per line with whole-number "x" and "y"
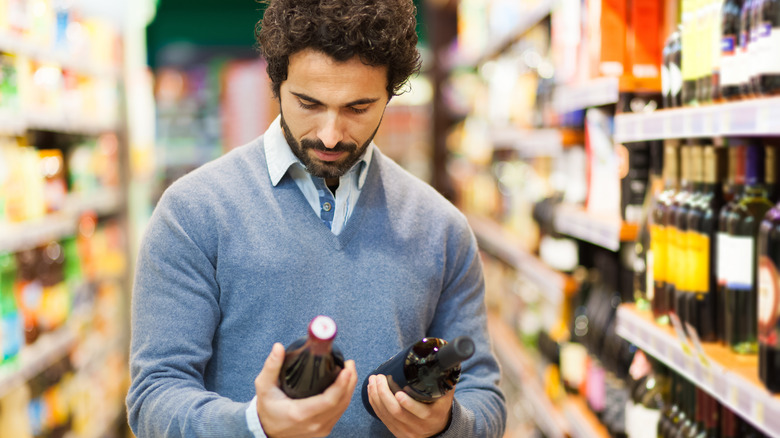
{"x": 404, "y": 416}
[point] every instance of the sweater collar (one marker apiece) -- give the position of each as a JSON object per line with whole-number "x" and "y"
{"x": 280, "y": 158}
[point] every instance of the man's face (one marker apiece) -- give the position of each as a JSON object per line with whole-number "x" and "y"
{"x": 331, "y": 110}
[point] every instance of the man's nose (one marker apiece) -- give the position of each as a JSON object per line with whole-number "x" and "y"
{"x": 331, "y": 132}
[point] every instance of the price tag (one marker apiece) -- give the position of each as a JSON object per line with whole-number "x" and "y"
{"x": 694, "y": 336}
{"x": 757, "y": 411}
{"x": 678, "y": 329}
{"x": 732, "y": 395}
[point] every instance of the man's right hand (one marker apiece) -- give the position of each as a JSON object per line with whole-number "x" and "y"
{"x": 282, "y": 417}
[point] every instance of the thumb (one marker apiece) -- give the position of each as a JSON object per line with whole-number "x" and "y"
{"x": 269, "y": 375}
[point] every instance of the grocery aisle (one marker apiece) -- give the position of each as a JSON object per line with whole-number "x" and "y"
{"x": 617, "y": 161}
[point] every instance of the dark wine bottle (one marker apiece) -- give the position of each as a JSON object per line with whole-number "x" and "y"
{"x": 730, "y": 65}
{"x": 703, "y": 224}
{"x": 741, "y": 292}
{"x": 769, "y": 300}
{"x": 678, "y": 228}
{"x": 758, "y": 54}
{"x": 312, "y": 363}
{"x": 675, "y": 70}
{"x": 426, "y": 370}
{"x": 734, "y": 188}
{"x": 745, "y": 53}
{"x": 659, "y": 234}
{"x": 687, "y": 236}
{"x": 769, "y": 76}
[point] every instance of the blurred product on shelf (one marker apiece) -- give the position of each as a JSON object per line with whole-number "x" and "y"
{"x": 741, "y": 286}
{"x": 644, "y": 248}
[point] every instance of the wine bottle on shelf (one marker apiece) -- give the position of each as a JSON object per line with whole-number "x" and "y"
{"x": 574, "y": 355}
{"x": 730, "y": 63}
{"x": 312, "y": 363}
{"x": 745, "y": 55}
{"x": 758, "y": 54}
{"x": 741, "y": 292}
{"x": 426, "y": 370}
{"x": 673, "y": 411}
{"x": 666, "y": 86}
{"x": 675, "y": 69}
{"x": 643, "y": 250}
{"x": 689, "y": 51}
{"x": 676, "y": 284}
{"x": 687, "y": 426}
{"x": 728, "y": 424}
{"x": 703, "y": 223}
{"x": 769, "y": 300}
{"x": 659, "y": 233}
{"x": 733, "y": 191}
{"x": 715, "y": 48}
{"x": 769, "y": 76}
{"x": 688, "y": 253}
{"x": 710, "y": 413}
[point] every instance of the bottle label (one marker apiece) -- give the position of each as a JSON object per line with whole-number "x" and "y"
{"x": 768, "y": 303}
{"x": 729, "y": 70}
{"x": 742, "y": 256}
{"x": 771, "y": 45}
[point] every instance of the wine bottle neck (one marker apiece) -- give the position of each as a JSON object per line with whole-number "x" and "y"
{"x": 452, "y": 354}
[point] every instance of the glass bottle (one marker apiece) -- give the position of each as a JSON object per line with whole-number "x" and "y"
{"x": 659, "y": 233}
{"x": 769, "y": 77}
{"x": 733, "y": 191}
{"x": 312, "y": 363}
{"x": 703, "y": 223}
{"x": 730, "y": 60}
{"x": 741, "y": 292}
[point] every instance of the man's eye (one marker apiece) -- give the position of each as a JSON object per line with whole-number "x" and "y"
{"x": 357, "y": 110}
{"x": 307, "y": 106}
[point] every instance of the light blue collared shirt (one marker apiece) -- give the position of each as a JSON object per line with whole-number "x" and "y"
{"x": 281, "y": 160}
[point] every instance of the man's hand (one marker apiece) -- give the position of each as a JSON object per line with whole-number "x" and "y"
{"x": 315, "y": 416}
{"x": 404, "y": 416}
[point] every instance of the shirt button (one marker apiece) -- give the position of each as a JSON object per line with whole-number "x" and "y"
{"x": 326, "y": 206}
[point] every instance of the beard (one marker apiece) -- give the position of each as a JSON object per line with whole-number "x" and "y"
{"x": 325, "y": 169}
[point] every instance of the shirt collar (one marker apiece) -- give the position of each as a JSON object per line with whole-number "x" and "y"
{"x": 280, "y": 157}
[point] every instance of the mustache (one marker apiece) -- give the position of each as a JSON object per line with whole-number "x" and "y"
{"x": 320, "y": 146}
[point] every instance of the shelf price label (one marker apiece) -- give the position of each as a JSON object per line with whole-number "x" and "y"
{"x": 694, "y": 336}
{"x": 757, "y": 411}
{"x": 678, "y": 329}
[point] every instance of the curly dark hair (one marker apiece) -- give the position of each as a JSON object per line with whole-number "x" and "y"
{"x": 379, "y": 32}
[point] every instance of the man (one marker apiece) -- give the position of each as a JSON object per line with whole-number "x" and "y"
{"x": 309, "y": 219}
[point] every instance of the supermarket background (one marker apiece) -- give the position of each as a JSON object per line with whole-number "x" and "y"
{"x": 566, "y": 131}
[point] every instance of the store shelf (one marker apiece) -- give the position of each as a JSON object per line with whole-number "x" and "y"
{"x": 16, "y": 45}
{"x": 496, "y": 241}
{"x": 516, "y": 365}
{"x": 731, "y": 378}
{"x": 750, "y": 117}
{"x": 18, "y": 236}
{"x": 606, "y": 232}
{"x": 529, "y": 19}
{"x": 35, "y": 358}
{"x": 596, "y": 92}
{"x": 528, "y": 142}
{"x": 15, "y": 124}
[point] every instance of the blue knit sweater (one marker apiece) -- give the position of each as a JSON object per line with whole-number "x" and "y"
{"x": 230, "y": 264}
